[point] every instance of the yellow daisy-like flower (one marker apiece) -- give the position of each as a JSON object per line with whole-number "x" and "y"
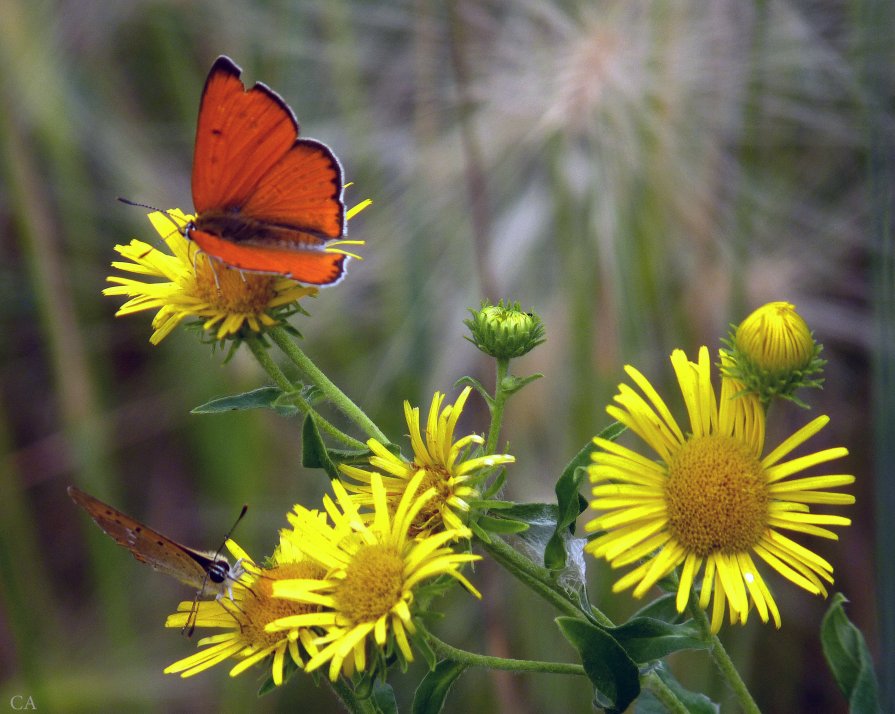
{"x": 246, "y": 616}
{"x": 442, "y": 462}
{"x": 712, "y": 499}
{"x": 373, "y": 568}
{"x": 186, "y": 283}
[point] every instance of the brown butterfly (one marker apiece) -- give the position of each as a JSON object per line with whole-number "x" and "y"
{"x": 208, "y": 572}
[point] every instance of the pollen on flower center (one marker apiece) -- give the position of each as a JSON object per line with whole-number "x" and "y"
{"x": 260, "y": 607}
{"x": 716, "y": 496}
{"x": 233, "y": 291}
{"x": 373, "y": 584}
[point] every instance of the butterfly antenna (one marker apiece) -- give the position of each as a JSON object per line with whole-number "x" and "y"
{"x": 190, "y": 625}
{"x": 177, "y": 227}
{"x": 128, "y": 202}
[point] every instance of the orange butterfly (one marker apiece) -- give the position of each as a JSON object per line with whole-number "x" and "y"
{"x": 266, "y": 201}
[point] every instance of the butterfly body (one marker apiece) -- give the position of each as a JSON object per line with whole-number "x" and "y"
{"x": 206, "y": 571}
{"x": 266, "y": 200}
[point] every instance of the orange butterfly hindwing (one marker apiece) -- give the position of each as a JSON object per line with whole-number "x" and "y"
{"x": 266, "y": 200}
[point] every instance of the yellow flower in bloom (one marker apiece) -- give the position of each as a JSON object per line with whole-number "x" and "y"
{"x": 373, "y": 568}
{"x": 246, "y": 615}
{"x": 186, "y": 283}
{"x": 443, "y": 463}
{"x": 712, "y": 501}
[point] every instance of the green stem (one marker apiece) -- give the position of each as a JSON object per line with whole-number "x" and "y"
{"x": 282, "y": 381}
{"x": 722, "y": 659}
{"x": 500, "y": 398}
{"x": 663, "y": 693}
{"x": 323, "y": 383}
{"x": 539, "y": 580}
{"x": 443, "y": 649}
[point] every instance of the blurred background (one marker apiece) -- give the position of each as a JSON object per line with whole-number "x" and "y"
{"x": 639, "y": 173}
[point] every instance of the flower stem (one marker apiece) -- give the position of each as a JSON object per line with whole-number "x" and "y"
{"x": 500, "y": 398}
{"x": 511, "y": 665}
{"x": 722, "y": 660}
{"x": 323, "y": 383}
{"x": 663, "y": 693}
{"x": 282, "y": 381}
{"x": 539, "y": 580}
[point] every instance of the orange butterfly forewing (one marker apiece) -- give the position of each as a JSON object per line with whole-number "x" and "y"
{"x": 266, "y": 200}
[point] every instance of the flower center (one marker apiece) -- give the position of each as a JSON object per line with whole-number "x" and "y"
{"x": 233, "y": 291}
{"x": 373, "y": 584}
{"x": 436, "y": 477}
{"x": 259, "y": 607}
{"x": 716, "y": 496}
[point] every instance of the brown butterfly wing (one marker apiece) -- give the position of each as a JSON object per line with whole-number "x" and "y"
{"x": 145, "y": 544}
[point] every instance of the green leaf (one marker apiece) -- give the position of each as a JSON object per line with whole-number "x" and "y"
{"x": 615, "y": 677}
{"x": 383, "y": 698}
{"x": 262, "y": 398}
{"x": 531, "y": 513}
{"x": 502, "y": 525}
{"x": 479, "y": 532}
{"x": 693, "y": 702}
{"x": 433, "y": 689}
{"x": 646, "y": 639}
{"x": 571, "y": 503}
{"x": 494, "y": 487}
{"x": 662, "y": 608}
{"x": 512, "y": 384}
{"x": 848, "y": 658}
{"x": 477, "y": 386}
{"x": 313, "y": 450}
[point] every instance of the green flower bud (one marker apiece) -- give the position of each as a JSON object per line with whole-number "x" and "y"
{"x": 504, "y": 331}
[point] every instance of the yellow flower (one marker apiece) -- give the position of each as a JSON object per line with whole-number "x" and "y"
{"x": 712, "y": 501}
{"x": 246, "y": 615}
{"x": 443, "y": 463}
{"x": 186, "y": 283}
{"x": 373, "y": 570}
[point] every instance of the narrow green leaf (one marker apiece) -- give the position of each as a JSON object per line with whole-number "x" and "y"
{"x": 848, "y": 658}
{"x": 262, "y": 398}
{"x": 477, "y": 386}
{"x": 494, "y": 487}
{"x": 646, "y": 639}
{"x": 512, "y": 384}
{"x": 433, "y": 689}
{"x": 479, "y": 532}
{"x": 541, "y": 514}
{"x": 313, "y": 450}
{"x": 615, "y": 677}
{"x": 502, "y": 525}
